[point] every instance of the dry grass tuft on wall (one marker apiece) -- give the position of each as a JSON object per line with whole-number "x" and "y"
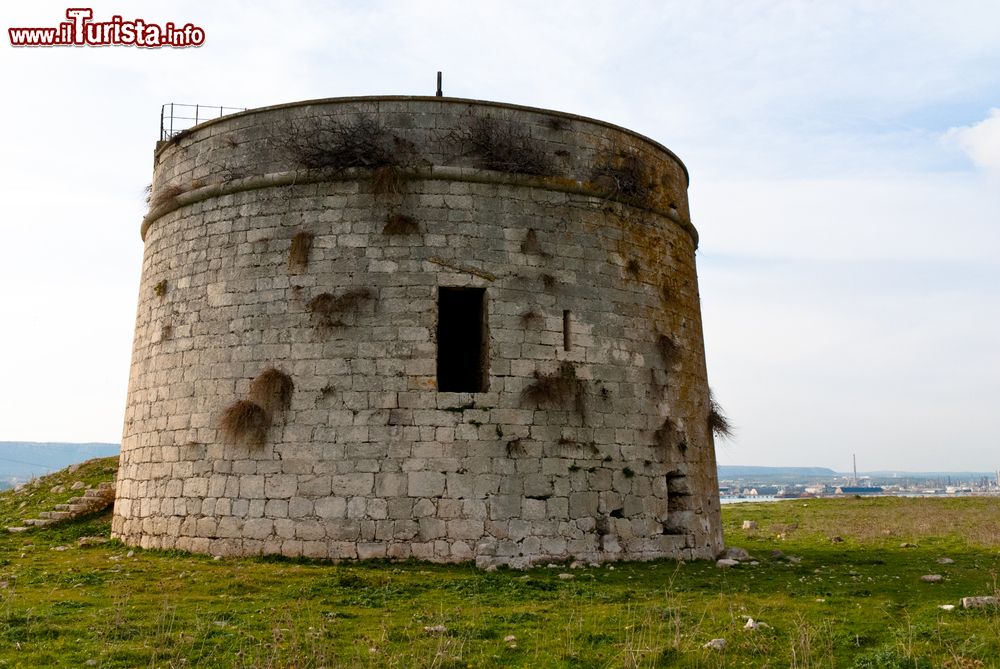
{"x": 245, "y": 422}
{"x": 272, "y": 390}
{"x": 561, "y": 390}
{"x": 387, "y": 180}
{"x": 718, "y": 423}
{"x": 298, "y": 253}
{"x": 400, "y": 224}
{"x": 530, "y": 318}
{"x": 668, "y": 350}
{"x": 328, "y": 310}
{"x": 167, "y": 196}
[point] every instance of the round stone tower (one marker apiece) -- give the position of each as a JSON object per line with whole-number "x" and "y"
{"x": 418, "y": 327}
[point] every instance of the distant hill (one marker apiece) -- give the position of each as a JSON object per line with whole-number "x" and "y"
{"x": 21, "y": 460}
{"x": 798, "y": 473}
{"x": 805, "y": 473}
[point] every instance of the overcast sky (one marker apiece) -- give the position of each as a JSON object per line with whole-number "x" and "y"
{"x": 845, "y": 165}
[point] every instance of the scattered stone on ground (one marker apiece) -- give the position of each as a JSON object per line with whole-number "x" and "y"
{"x": 435, "y": 629}
{"x": 932, "y": 578}
{"x": 565, "y": 577}
{"x": 56, "y": 489}
{"x": 794, "y": 559}
{"x": 837, "y": 540}
{"x": 945, "y": 560}
{"x": 576, "y": 564}
{"x": 60, "y": 548}
{"x": 751, "y": 624}
{"x": 92, "y": 541}
{"x": 907, "y": 544}
{"x": 510, "y": 640}
{"x": 947, "y": 607}
{"x": 979, "y": 602}
{"x": 715, "y": 644}
{"x": 735, "y": 553}
{"x": 726, "y": 563}
{"x": 78, "y": 485}
{"x": 776, "y": 554}
{"x": 749, "y": 524}
{"x": 74, "y": 467}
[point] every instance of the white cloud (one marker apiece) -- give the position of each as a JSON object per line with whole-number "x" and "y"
{"x": 981, "y": 142}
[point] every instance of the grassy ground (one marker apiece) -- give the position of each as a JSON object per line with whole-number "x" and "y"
{"x": 858, "y": 602}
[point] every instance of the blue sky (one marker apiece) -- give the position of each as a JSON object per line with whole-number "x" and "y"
{"x": 845, "y": 164}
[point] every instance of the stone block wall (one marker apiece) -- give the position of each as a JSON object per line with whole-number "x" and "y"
{"x": 591, "y": 446}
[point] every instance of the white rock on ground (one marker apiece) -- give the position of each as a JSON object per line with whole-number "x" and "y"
{"x": 979, "y": 602}
{"x": 735, "y": 553}
{"x": 715, "y": 644}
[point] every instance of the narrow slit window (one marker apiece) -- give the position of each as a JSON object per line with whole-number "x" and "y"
{"x": 567, "y": 332}
{"x": 462, "y": 338}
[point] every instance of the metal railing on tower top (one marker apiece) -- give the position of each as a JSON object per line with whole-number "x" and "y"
{"x": 176, "y": 117}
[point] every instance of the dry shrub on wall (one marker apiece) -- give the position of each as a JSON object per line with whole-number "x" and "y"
{"x": 272, "y": 390}
{"x": 245, "y": 422}
{"x": 500, "y": 145}
{"x": 363, "y": 142}
{"x": 561, "y": 390}
{"x": 328, "y": 310}
{"x": 625, "y": 175}
{"x": 298, "y": 253}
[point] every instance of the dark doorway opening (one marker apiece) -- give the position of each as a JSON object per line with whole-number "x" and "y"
{"x": 461, "y": 340}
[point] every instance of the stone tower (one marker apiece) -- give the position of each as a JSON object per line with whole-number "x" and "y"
{"x": 418, "y": 327}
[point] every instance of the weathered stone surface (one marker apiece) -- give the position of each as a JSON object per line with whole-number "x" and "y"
{"x": 567, "y": 452}
{"x": 980, "y": 602}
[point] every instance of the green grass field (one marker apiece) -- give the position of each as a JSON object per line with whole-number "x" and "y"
{"x": 855, "y": 602}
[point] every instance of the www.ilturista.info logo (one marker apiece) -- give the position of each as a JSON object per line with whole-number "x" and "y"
{"x": 80, "y": 30}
